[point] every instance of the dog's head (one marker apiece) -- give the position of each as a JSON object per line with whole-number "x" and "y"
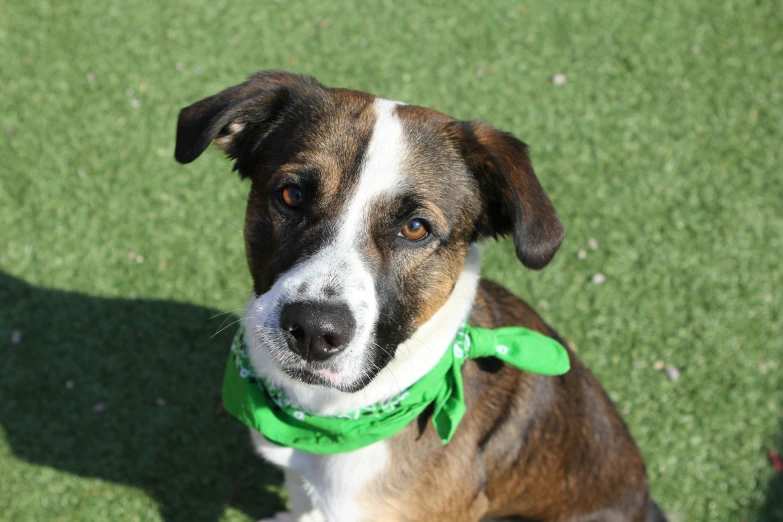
{"x": 360, "y": 216}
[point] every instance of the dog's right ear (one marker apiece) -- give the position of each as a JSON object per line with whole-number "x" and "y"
{"x": 235, "y": 115}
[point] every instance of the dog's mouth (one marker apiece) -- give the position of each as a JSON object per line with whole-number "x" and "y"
{"x": 319, "y": 373}
{"x": 318, "y": 377}
{"x": 328, "y": 375}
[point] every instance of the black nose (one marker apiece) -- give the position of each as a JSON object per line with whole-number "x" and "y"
{"x": 317, "y": 331}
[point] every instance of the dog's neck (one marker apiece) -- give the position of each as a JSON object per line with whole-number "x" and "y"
{"x": 414, "y": 358}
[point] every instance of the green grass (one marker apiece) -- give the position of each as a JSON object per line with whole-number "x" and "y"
{"x": 664, "y": 145}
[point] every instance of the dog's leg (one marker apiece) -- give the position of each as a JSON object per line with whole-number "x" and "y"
{"x": 302, "y": 509}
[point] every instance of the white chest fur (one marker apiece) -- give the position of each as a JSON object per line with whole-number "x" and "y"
{"x": 333, "y": 483}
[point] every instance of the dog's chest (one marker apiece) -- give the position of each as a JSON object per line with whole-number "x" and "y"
{"x": 335, "y": 483}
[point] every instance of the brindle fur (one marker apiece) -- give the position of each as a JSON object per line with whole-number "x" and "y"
{"x": 530, "y": 447}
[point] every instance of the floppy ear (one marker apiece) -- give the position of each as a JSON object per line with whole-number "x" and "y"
{"x": 235, "y": 114}
{"x": 514, "y": 200}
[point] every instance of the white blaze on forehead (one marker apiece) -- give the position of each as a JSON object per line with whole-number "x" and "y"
{"x": 381, "y": 170}
{"x": 341, "y": 266}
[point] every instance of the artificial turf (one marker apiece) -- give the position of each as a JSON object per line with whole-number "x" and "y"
{"x": 663, "y": 147}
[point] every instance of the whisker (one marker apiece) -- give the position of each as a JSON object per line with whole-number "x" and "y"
{"x": 245, "y": 313}
{"x": 229, "y": 325}
{"x": 225, "y": 313}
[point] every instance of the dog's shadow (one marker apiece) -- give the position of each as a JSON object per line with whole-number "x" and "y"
{"x": 127, "y": 391}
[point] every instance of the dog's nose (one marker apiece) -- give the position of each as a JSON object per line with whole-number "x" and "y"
{"x": 317, "y": 331}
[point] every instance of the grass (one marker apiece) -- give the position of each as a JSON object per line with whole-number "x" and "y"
{"x": 664, "y": 145}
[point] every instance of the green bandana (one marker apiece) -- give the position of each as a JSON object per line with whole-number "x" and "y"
{"x": 260, "y": 405}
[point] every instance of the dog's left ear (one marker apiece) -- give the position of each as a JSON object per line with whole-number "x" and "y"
{"x": 514, "y": 200}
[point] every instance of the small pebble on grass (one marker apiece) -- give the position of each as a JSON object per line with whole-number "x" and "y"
{"x": 98, "y": 408}
{"x": 16, "y": 336}
{"x": 90, "y": 78}
{"x": 483, "y": 71}
{"x": 658, "y": 365}
{"x": 160, "y": 401}
{"x": 673, "y": 373}
{"x": 543, "y": 304}
{"x": 582, "y": 254}
{"x": 592, "y": 243}
{"x": 598, "y": 279}
{"x": 69, "y": 385}
{"x": 559, "y": 80}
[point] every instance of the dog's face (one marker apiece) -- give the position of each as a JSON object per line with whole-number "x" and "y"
{"x": 360, "y": 215}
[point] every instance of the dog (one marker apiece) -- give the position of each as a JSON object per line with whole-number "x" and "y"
{"x": 361, "y": 232}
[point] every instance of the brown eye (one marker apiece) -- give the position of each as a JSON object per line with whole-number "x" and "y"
{"x": 415, "y": 230}
{"x": 292, "y": 196}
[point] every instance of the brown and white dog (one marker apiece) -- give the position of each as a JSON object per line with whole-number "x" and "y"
{"x": 361, "y": 231}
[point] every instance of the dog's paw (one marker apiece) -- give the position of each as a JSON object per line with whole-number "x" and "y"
{"x": 279, "y": 517}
